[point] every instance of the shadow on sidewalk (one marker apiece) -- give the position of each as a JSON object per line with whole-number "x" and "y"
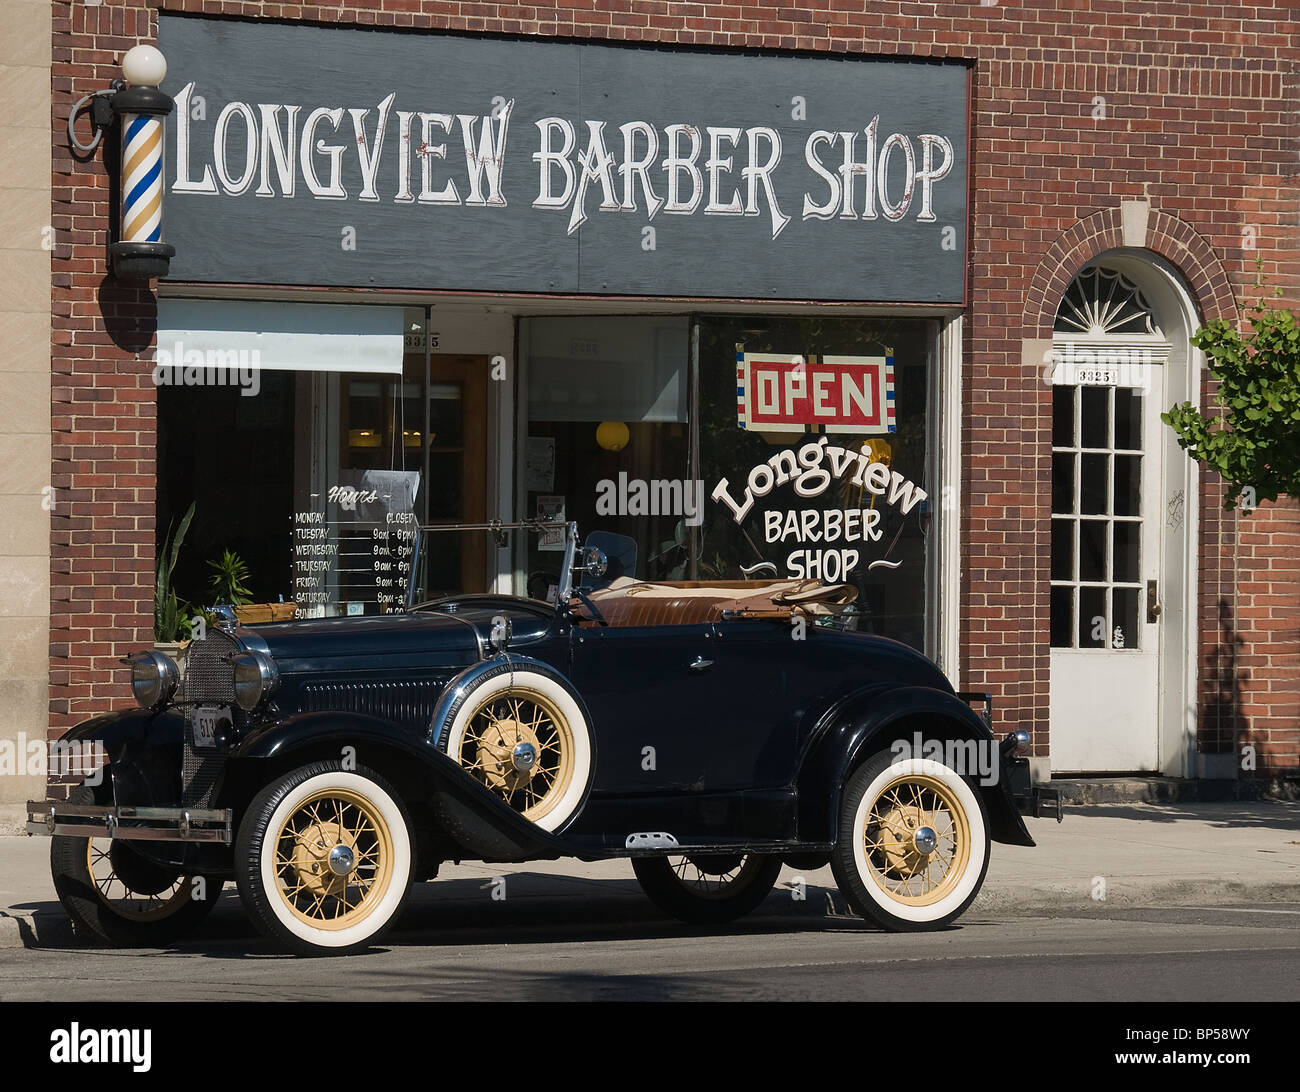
{"x": 1281, "y": 815}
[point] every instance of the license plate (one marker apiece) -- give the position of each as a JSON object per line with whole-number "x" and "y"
{"x": 205, "y": 723}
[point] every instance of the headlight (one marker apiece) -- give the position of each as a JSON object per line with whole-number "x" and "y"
{"x": 256, "y": 679}
{"x": 154, "y": 677}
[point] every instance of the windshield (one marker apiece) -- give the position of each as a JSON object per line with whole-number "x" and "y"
{"x": 481, "y": 559}
{"x": 615, "y": 560}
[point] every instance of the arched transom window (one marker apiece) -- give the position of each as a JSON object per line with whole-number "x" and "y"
{"x": 1102, "y": 302}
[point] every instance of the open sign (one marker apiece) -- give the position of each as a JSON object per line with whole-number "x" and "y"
{"x": 781, "y": 393}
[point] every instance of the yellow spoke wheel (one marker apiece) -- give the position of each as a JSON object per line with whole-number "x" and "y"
{"x": 521, "y": 747}
{"x": 912, "y": 843}
{"x": 117, "y": 895}
{"x": 517, "y": 729}
{"x": 334, "y": 859}
{"x": 324, "y": 858}
{"x": 907, "y": 868}
{"x": 707, "y": 888}
{"x": 139, "y": 891}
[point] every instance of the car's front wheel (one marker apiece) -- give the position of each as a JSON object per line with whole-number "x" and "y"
{"x": 913, "y": 843}
{"x": 323, "y": 859}
{"x": 707, "y": 888}
{"x": 115, "y": 895}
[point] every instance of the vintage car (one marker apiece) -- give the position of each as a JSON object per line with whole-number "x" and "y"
{"x": 708, "y": 732}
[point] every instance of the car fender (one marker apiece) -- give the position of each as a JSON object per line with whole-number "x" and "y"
{"x": 458, "y": 690}
{"x": 143, "y": 748}
{"x": 468, "y": 811}
{"x": 115, "y": 731}
{"x": 875, "y": 720}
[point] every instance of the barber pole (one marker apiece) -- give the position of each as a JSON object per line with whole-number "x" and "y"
{"x": 142, "y": 145}
{"x": 139, "y": 251}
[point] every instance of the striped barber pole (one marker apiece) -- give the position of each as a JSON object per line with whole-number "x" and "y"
{"x": 742, "y": 375}
{"x": 142, "y": 148}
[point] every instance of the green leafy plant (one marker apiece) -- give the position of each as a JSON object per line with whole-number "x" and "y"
{"x": 191, "y": 611}
{"x": 229, "y": 580}
{"x": 1252, "y": 438}
{"x": 169, "y": 618}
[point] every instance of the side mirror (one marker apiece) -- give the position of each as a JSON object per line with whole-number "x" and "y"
{"x": 594, "y": 561}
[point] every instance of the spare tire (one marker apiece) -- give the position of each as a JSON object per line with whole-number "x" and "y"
{"x": 518, "y": 728}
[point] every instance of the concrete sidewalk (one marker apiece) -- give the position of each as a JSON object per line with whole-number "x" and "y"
{"x": 1128, "y": 854}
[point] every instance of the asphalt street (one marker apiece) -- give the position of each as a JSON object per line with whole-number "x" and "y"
{"x": 456, "y": 943}
{"x": 1146, "y": 903}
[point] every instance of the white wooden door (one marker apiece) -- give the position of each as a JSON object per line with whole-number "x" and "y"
{"x": 1105, "y": 569}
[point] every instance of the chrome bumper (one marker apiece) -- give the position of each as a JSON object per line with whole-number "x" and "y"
{"x": 134, "y": 824}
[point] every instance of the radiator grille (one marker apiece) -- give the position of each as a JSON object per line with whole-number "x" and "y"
{"x": 209, "y": 680}
{"x": 209, "y": 677}
{"x": 199, "y": 773}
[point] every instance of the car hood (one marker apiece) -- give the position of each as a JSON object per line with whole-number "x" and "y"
{"x": 420, "y": 639}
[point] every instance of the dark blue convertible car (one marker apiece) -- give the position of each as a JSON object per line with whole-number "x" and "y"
{"x": 706, "y": 731}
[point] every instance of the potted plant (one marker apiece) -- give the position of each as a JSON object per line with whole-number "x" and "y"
{"x": 170, "y": 616}
{"x": 229, "y": 580}
{"x": 229, "y": 583}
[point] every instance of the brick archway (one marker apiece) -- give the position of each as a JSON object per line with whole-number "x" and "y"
{"x": 1165, "y": 235}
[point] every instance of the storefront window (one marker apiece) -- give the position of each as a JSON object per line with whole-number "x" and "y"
{"x": 230, "y": 456}
{"x": 871, "y": 526}
{"x": 413, "y": 448}
{"x": 606, "y": 415}
{"x": 610, "y": 441}
{"x": 730, "y": 447}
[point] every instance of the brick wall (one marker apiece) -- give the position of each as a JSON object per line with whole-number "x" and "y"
{"x": 1077, "y": 106}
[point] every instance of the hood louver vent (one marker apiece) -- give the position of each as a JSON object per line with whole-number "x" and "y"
{"x": 409, "y": 703}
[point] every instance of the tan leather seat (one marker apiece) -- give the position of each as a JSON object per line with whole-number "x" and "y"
{"x": 691, "y": 602}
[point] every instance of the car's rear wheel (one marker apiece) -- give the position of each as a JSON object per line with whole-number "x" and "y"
{"x": 522, "y": 734}
{"x": 323, "y": 859}
{"x": 707, "y": 888}
{"x": 115, "y": 895}
{"x": 913, "y": 844}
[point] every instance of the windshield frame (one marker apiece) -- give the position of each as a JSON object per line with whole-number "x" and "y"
{"x": 570, "y": 530}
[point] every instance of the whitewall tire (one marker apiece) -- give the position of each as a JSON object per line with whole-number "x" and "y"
{"x": 522, "y": 734}
{"x": 324, "y": 858}
{"x": 912, "y": 846}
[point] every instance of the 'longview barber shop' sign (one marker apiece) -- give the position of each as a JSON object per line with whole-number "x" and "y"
{"x": 335, "y": 156}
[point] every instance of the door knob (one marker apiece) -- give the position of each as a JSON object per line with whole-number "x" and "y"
{"x": 1153, "y": 600}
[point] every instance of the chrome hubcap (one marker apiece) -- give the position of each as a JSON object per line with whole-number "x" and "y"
{"x": 342, "y": 860}
{"x": 523, "y": 757}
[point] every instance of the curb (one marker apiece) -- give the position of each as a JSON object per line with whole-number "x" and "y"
{"x": 1074, "y": 899}
{"x": 19, "y": 930}
{"x": 1171, "y": 790}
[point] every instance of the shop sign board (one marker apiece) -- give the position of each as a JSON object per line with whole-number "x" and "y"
{"x": 841, "y": 394}
{"x": 338, "y": 156}
{"x": 825, "y": 544}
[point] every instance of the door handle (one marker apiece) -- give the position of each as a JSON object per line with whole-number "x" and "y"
{"x": 1153, "y": 600}
{"x": 699, "y": 664}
